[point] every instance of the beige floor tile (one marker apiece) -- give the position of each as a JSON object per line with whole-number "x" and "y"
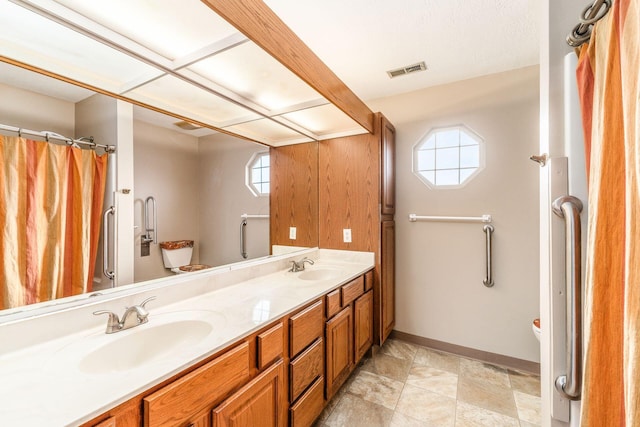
{"x": 388, "y": 366}
{"x": 355, "y": 412}
{"x": 401, "y": 420}
{"x": 483, "y": 372}
{"x": 435, "y": 380}
{"x": 431, "y": 408}
{"x": 399, "y": 349}
{"x": 525, "y": 382}
{"x": 473, "y": 416}
{"x": 376, "y": 389}
{"x": 486, "y": 395}
{"x": 436, "y": 359}
{"x": 526, "y": 424}
{"x": 529, "y": 407}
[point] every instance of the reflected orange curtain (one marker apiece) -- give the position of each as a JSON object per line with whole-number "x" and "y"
{"x": 50, "y": 212}
{"x": 609, "y": 80}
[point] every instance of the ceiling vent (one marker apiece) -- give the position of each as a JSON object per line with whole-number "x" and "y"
{"x": 414, "y": 68}
{"x": 184, "y": 125}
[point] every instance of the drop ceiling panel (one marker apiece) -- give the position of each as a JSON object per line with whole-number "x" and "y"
{"x": 268, "y": 132}
{"x": 325, "y": 121}
{"x": 250, "y": 72}
{"x": 37, "y": 41}
{"x": 169, "y": 27}
{"x": 177, "y": 96}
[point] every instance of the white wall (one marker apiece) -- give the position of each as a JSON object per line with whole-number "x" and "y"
{"x": 31, "y": 110}
{"x": 165, "y": 167}
{"x": 440, "y": 266}
{"x": 224, "y": 197}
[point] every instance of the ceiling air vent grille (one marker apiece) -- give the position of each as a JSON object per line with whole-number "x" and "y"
{"x": 414, "y": 68}
{"x": 187, "y": 125}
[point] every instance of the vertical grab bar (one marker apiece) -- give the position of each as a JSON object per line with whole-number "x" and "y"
{"x": 105, "y": 243}
{"x": 569, "y": 208}
{"x": 152, "y": 233}
{"x": 243, "y": 238}
{"x": 488, "y": 230}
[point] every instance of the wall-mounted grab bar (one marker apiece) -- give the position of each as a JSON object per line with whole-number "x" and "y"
{"x": 151, "y": 235}
{"x": 105, "y": 244}
{"x": 243, "y": 236}
{"x": 484, "y": 218}
{"x": 569, "y": 208}
{"x": 488, "y": 230}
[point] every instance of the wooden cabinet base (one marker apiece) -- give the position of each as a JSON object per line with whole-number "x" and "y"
{"x": 309, "y": 406}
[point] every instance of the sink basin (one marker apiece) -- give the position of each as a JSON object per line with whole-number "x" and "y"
{"x": 320, "y": 274}
{"x": 138, "y": 347}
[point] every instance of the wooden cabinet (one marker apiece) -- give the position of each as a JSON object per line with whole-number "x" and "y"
{"x": 339, "y": 352}
{"x": 305, "y": 327}
{"x": 357, "y": 191}
{"x": 182, "y": 401}
{"x": 307, "y": 408}
{"x": 261, "y": 403}
{"x": 363, "y": 324}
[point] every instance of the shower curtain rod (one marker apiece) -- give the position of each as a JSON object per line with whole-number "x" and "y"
{"x": 52, "y": 136}
{"x": 590, "y": 15}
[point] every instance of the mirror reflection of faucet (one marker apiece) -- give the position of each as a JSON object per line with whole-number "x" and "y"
{"x": 299, "y": 265}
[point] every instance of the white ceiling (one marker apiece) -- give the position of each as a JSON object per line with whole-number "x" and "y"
{"x": 458, "y": 39}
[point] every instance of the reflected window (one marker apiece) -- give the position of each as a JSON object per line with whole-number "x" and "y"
{"x": 448, "y": 157}
{"x": 258, "y": 170}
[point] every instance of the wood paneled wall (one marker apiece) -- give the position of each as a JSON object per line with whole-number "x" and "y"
{"x": 294, "y": 194}
{"x": 349, "y": 192}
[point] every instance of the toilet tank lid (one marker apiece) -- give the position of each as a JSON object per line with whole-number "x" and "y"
{"x": 177, "y": 244}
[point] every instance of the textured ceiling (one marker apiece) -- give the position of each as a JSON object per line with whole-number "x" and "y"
{"x": 458, "y": 39}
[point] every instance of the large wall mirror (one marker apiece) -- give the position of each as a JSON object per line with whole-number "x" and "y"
{"x": 197, "y": 177}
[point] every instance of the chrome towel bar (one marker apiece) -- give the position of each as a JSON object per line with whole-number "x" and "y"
{"x": 569, "y": 208}
{"x": 109, "y": 274}
{"x": 488, "y": 230}
{"x": 484, "y": 218}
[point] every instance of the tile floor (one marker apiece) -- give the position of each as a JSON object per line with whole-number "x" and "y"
{"x": 405, "y": 385}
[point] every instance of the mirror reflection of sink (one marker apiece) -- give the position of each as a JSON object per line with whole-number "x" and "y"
{"x": 320, "y": 274}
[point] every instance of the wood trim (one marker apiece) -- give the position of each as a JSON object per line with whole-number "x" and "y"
{"x": 260, "y": 24}
{"x": 472, "y": 353}
{"x": 387, "y": 166}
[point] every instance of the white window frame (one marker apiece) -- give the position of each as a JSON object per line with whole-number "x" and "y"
{"x": 248, "y": 173}
{"x": 422, "y": 141}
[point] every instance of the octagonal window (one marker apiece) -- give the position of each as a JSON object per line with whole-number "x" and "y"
{"x": 448, "y": 157}
{"x": 257, "y": 174}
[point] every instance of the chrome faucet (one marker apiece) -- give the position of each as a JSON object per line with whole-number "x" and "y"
{"x": 133, "y": 316}
{"x": 299, "y": 266}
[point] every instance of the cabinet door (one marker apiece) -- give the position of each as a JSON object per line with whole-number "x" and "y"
{"x": 387, "y": 173}
{"x": 261, "y": 403}
{"x": 363, "y": 324}
{"x": 387, "y": 286}
{"x": 339, "y": 348}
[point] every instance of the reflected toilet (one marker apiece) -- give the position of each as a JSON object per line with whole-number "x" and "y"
{"x": 176, "y": 256}
{"x": 536, "y": 328}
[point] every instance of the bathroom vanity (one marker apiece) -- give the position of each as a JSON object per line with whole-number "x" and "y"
{"x": 248, "y": 344}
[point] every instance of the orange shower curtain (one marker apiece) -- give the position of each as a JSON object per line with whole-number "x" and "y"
{"x": 50, "y": 212}
{"x": 609, "y": 79}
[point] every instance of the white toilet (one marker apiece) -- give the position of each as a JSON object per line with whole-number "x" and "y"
{"x": 176, "y": 256}
{"x": 535, "y": 325}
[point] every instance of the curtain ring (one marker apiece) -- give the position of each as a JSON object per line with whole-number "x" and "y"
{"x": 19, "y": 132}
{"x": 599, "y": 14}
{"x": 46, "y": 136}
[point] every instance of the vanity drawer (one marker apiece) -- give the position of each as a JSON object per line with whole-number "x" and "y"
{"x": 270, "y": 345}
{"x": 305, "y": 327}
{"x": 309, "y": 406}
{"x": 352, "y": 290}
{"x": 201, "y": 389}
{"x": 305, "y": 368}
{"x": 333, "y": 303}
{"x": 368, "y": 280}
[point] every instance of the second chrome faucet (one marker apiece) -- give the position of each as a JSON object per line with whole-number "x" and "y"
{"x": 299, "y": 265}
{"x": 133, "y": 316}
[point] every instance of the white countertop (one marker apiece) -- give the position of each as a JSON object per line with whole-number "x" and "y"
{"x": 53, "y": 382}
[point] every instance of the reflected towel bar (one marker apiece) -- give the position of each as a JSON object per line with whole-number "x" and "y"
{"x": 243, "y": 236}
{"x": 488, "y": 229}
{"x": 105, "y": 244}
{"x": 484, "y": 218}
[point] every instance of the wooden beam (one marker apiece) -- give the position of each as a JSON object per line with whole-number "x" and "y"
{"x": 255, "y": 20}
